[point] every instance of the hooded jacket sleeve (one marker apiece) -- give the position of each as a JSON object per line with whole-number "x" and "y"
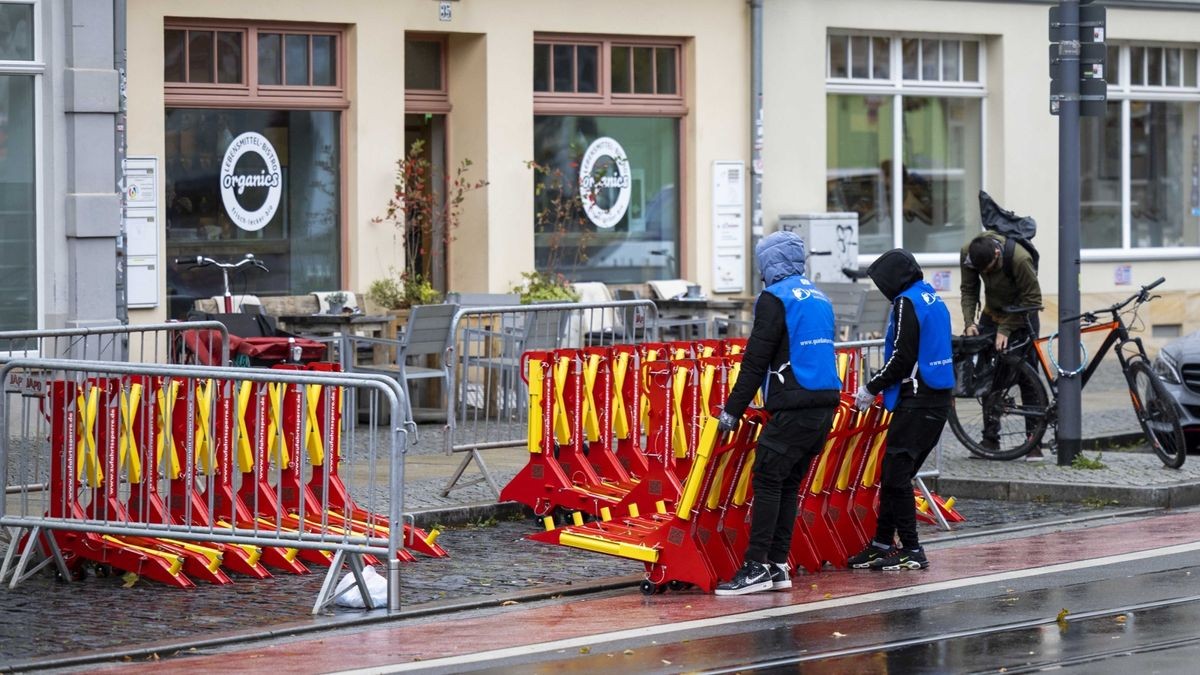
{"x": 970, "y": 288}
{"x": 768, "y": 333}
{"x": 905, "y": 345}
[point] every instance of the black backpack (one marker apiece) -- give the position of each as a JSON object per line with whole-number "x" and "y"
{"x": 1016, "y": 230}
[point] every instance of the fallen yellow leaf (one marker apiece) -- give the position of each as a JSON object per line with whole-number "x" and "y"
{"x": 130, "y": 579}
{"x": 508, "y": 603}
{"x": 585, "y": 650}
{"x": 828, "y": 596}
{"x": 838, "y": 635}
{"x": 628, "y": 652}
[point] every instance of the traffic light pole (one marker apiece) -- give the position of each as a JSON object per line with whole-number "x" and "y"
{"x": 1069, "y": 388}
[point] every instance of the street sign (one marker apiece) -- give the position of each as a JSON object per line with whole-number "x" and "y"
{"x": 1092, "y": 25}
{"x": 1093, "y": 97}
{"x": 1081, "y": 43}
{"x": 1093, "y": 59}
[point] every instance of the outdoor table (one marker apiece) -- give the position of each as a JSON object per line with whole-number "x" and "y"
{"x": 698, "y": 313}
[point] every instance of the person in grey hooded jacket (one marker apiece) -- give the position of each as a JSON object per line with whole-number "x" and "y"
{"x": 790, "y": 356}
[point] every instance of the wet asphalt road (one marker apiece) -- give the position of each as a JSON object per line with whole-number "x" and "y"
{"x": 1135, "y": 617}
{"x": 44, "y": 617}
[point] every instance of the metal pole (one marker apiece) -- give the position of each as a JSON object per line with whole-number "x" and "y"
{"x": 119, "y": 63}
{"x": 756, "y": 137}
{"x": 1069, "y": 401}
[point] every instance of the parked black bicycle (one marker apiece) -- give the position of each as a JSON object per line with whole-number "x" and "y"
{"x": 1007, "y": 415}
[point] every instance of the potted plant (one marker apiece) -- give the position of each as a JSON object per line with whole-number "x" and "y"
{"x": 425, "y": 208}
{"x": 337, "y": 302}
{"x": 561, "y": 223}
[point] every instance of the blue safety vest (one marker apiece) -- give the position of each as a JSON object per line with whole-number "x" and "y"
{"x": 935, "y": 358}
{"x": 810, "y": 335}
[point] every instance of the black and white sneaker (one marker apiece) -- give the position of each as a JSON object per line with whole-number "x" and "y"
{"x": 751, "y": 578}
{"x": 868, "y": 557}
{"x": 781, "y": 576}
{"x": 903, "y": 559}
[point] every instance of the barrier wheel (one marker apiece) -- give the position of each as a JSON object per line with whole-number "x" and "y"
{"x": 676, "y": 585}
{"x": 648, "y": 588}
{"x": 104, "y": 570}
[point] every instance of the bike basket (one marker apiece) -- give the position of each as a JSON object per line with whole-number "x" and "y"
{"x": 974, "y": 365}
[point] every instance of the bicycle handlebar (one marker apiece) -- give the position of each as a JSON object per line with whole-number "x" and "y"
{"x": 1141, "y": 296}
{"x": 203, "y": 261}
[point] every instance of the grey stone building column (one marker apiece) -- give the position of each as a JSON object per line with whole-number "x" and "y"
{"x": 92, "y": 206}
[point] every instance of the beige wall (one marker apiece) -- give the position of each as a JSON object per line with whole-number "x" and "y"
{"x": 1021, "y": 137}
{"x": 490, "y": 66}
{"x": 490, "y": 74}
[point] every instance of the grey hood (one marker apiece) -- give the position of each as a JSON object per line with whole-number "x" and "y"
{"x": 780, "y": 255}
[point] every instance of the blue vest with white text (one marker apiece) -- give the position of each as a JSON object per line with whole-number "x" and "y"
{"x": 935, "y": 358}
{"x": 810, "y": 333}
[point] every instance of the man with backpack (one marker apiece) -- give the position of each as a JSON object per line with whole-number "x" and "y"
{"x": 1001, "y": 266}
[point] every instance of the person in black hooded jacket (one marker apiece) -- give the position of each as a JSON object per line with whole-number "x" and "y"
{"x": 790, "y": 356}
{"x": 916, "y": 381}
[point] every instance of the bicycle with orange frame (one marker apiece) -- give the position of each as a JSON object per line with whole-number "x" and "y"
{"x": 1013, "y": 415}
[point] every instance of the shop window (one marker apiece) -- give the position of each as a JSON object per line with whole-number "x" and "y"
{"x": 203, "y": 56}
{"x": 423, "y": 64}
{"x": 873, "y": 117}
{"x": 16, "y": 32}
{"x": 18, "y": 222}
{"x": 425, "y": 87}
{"x": 607, "y": 124}
{"x": 279, "y": 199}
{"x": 264, "y": 177}
{"x": 644, "y": 70}
{"x": 566, "y": 68}
{"x": 1139, "y": 159}
{"x": 628, "y": 231}
{"x": 198, "y": 59}
{"x": 1159, "y": 66}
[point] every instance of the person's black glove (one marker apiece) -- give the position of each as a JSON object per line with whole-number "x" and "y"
{"x": 726, "y": 422}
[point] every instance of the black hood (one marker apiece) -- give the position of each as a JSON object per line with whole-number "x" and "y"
{"x": 894, "y": 271}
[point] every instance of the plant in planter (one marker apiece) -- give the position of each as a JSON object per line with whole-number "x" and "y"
{"x": 562, "y": 228}
{"x": 425, "y": 208}
{"x": 337, "y": 301}
{"x": 543, "y": 287}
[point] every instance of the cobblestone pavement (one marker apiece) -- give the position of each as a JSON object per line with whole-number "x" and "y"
{"x": 44, "y": 617}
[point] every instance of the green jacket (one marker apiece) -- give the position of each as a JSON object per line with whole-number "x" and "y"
{"x": 1000, "y": 291}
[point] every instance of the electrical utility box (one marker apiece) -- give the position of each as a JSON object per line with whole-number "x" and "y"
{"x": 831, "y": 242}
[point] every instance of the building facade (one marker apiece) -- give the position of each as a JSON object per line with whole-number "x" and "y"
{"x": 274, "y": 128}
{"x": 60, "y": 215}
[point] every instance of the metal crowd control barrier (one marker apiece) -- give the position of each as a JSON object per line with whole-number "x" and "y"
{"x": 145, "y": 343}
{"x": 176, "y": 472}
{"x": 872, "y": 360}
{"x": 488, "y": 402}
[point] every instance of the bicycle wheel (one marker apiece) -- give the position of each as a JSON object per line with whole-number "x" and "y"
{"x": 1157, "y": 414}
{"x": 1015, "y": 412}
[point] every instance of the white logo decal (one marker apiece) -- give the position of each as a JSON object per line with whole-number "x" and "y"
{"x": 234, "y": 184}
{"x": 618, "y": 177}
{"x": 929, "y": 298}
{"x": 802, "y": 293}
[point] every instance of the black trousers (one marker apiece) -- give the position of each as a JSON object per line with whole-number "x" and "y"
{"x": 786, "y": 448}
{"x": 912, "y": 435}
{"x": 991, "y": 425}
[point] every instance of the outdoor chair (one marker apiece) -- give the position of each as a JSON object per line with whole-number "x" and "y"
{"x": 847, "y": 299}
{"x": 876, "y": 311}
{"x": 497, "y": 352}
{"x": 426, "y": 337}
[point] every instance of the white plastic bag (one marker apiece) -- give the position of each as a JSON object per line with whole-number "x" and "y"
{"x": 346, "y": 595}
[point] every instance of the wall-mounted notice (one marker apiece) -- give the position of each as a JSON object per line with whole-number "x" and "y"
{"x": 141, "y": 231}
{"x": 729, "y": 227}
